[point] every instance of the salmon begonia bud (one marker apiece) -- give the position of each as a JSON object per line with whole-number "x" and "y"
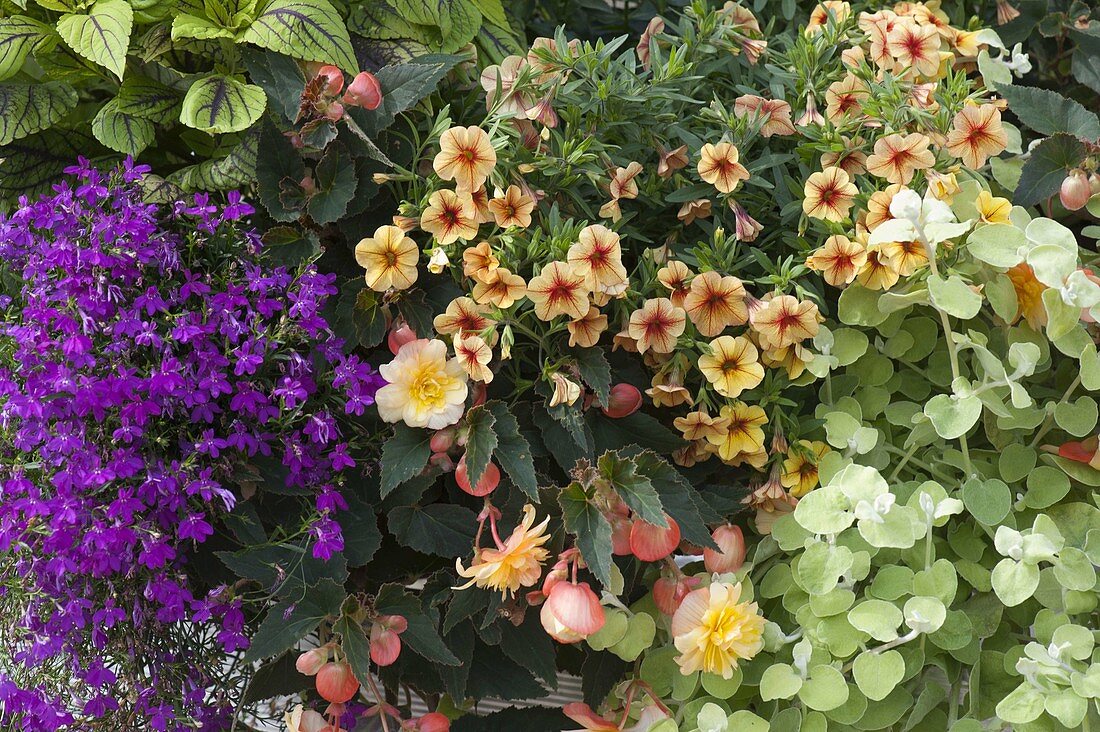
{"x": 624, "y": 400}
{"x": 731, "y": 542}
{"x": 400, "y": 334}
{"x": 336, "y": 682}
{"x": 310, "y": 662}
{"x": 364, "y": 91}
{"x": 488, "y": 483}
{"x": 1075, "y": 191}
{"x": 385, "y": 645}
{"x": 652, "y": 543}
{"x": 572, "y": 612}
{"x": 334, "y": 79}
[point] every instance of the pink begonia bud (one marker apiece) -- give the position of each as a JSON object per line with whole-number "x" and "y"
{"x": 443, "y": 461}
{"x": 433, "y": 722}
{"x": 669, "y": 592}
{"x": 731, "y": 541}
{"x": 334, "y": 79}
{"x": 572, "y": 612}
{"x": 1075, "y": 191}
{"x": 490, "y": 479}
{"x": 620, "y": 536}
{"x": 442, "y": 440}
{"x": 385, "y": 645}
{"x": 624, "y": 400}
{"x": 400, "y": 334}
{"x": 334, "y": 112}
{"x": 310, "y": 662}
{"x": 336, "y": 683}
{"x": 652, "y": 543}
{"x": 363, "y": 91}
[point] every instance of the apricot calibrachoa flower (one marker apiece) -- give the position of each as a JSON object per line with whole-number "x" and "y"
{"x": 878, "y": 206}
{"x": 845, "y": 97}
{"x": 585, "y": 332}
{"x": 713, "y": 630}
{"x": 511, "y": 564}
{"x": 424, "y": 388}
{"x": 462, "y": 315}
{"x": 656, "y": 325}
{"x": 838, "y": 260}
{"x": 732, "y": 365}
{"x": 976, "y": 135}
{"x": 744, "y": 433}
{"x": 479, "y": 261}
{"x": 784, "y": 320}
{"x": 800, "y": 474}
{"x": 898, "y": 157}
{"x": 829, "y": 195}
{"x": 914, "y": 46}
{"x": 500, "y": 288}
{"x": 774, "y": 115}
{"x": 667, "y": 390}
{"x": 465, "y": 156}
{"x": 676, "y": 277}
{"x": 905, "y": 257}
{"x": 558, "y": 290}
{"x": 449, "y": 217}
{"x": 718, "y": 166}
{"x": 715, "y": 302}
{"x": 698, "y": 208}
{"x": 699, "y": 425}
{"x": 474, "y": 354}
{"x": 390, "y": 259}
{"x": 598, "y": 257}
{"x": 512, "y": 208}
{"x": 1029, "y": 295}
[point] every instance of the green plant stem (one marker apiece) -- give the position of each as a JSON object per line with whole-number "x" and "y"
{"x": 905, "y": 458}
{"x": 1049, "y": 421}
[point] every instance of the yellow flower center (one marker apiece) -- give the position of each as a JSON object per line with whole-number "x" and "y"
{"x": 427, "y": 387}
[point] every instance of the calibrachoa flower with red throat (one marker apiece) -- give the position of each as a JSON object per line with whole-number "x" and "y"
{"x": 829, "y": 195}
{"x": 718, "y": 166}
{"x": 465, "y": 156}
{"x": 559, "y": 289}
{"x": 656, "y": 325}
{"x": 390, "y": 259}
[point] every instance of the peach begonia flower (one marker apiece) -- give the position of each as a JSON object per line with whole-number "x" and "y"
{"x": 558, "y": 290}
{"x": 712, "y": 630}
{"x": 829, "y": 195}
{"x": 699, "y": 425}
{"x": 898, "y": 157}
{"x": 389, "y": 258}
{"x": 512, "y": 208}
{"x": 513, "y": 563}
{"x": 676, "y": 277}
{"x": 732, "y": 365}
{"x": 878, "y": 206}
{"x": 976, "y": 135}
{"x": 500, "y": 288}
{"x": 844, "y": 98}
{"x": 585, "y": 332}
{"x": 474, "y": 354}
{"x": 785, "y": 320}
{"x": 800, "y": 466}
{"x": 669, "y": 161}
{"x": 656, "y": 325}
{"x": 698, "y": 208}
{"x": 667, "y": 390}
{"x": 878, "y": 272}
{"x": 597, "y": 256}
{"x": 479, "y": 261}
{"x": 838, "y": 260}
{"x": 449, "y": 217}
{"x": 465, "y": 156}
{"x": 773, "y": 115}
{"x": 993, "y": 209}
{"x": 915, "y": 46}
{"x": 715, "y": 302}
{"x": 424, "y": 388}
{"x": 718, "y": 166}
{"x": 744, "y": 432}
{"x": 905, "y": 257}
{"x": 505, "y": 75}
{"x": 1029, "y": 295}
{"x": 462, "y": 315}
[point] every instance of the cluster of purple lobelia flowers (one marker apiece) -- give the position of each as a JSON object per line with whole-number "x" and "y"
{"x": 147, "y": 354}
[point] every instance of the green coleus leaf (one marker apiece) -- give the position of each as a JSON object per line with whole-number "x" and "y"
{"x": 18, "y": 37}
{"x": 219, "y": 104}
{"x": 310, "y": 29}
{"x": 140, "y": 96}
{"x": 122, "y": 132}
{"x": 585, "y": 521}
{"x": 31, "y": 164}
{"x": 29, "y": 108}
{"x": 355, "y": 644}
{"x": 199, "y": 27}
{"x": 102, "y": 35}
{"x": 1048, "y": 112}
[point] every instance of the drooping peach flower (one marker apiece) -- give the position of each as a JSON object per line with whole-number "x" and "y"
{"x": 844, "y": 98}
{"x": 656, "y": 325}
{"x": 676, "y": 277}
{"x": 585, "y": 332}
{"x": 1029, "y": 295}
{"x": 500, "y": 287}
{"x": 558, "y": 290}
{"x": 699, "y": 425}
{"x": 667, "y": 390}
{"x": 732, "y": 365}
{"x": 745, "y": 227}
{"x": 474, "y": 354}
{"x": 713, "y": 630}
{"x": 462, "y": 315}
{"x": 465, "y": 156}
{"x": 389, "y": 258}
{"x": 773, "y": 115}
{"x": 915, "y": 46}
{"x": 424, "y": 388}
{"x": 838, "y": 260}
{"x": 598, "y": 257}
{"x": 479, "y": 261}
{"x": 993, "y": 209}
{"x": 511, "y": 564}
{"x": 669, "y": 161}
{"x": 898, "y": 157}
{"x": 718, "y": 166}
{"x": 449, "y": 217}
{"x": 480, "y": 199}
{"x": 976, "y": 135}
{"x": 715, "y": 302}
{"x": 744, "y": 434}
{"x": 785, "y": 320}
{"x": 829, "y": 195}
{"x": 878, "y": 271}
{"x": 622, "y": 183}
{"x": 655, "y": 26}
{"x": 566, "y": 391}
{"x": 800, "y": 466}
{"x": 505, "y": 77}
{"x": 698, "y": 208}
{"x": 512, "y": 208}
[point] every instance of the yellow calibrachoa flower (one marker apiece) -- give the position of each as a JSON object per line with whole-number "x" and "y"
{"x": 800, "y": 467}
{"x": 878, "y": 272}
{"x": 744, "y": 434}
{"x": 713, "y": 631}
{"x": 512, "y": 564}
{"x": 1029, "y": 295}
{"x": 500, "y": 287}
{"x": 914, "y": 46}
{"x": 829, "y": 195}
{"x": 390, "y": 259}
{"x": 993, "y": 209}
{"x": 676, "y": 277}
{"x": 424, "y": 388}
{"x": 732, "y": 366}
{"x": 718, "y": 166}
{"x": 465, "y": 156}
{"x": 878, "y": 206}
{"x": 905, "y": 257}
{"x": 785, "y": 320}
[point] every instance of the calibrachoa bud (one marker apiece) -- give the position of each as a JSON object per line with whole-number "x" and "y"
{"x": 731, "y": 542}
{"x": 490, "y": 478}
{"x": 625, "y": 400}
{"x": 364, "y": 91}
{"x": 1075, "y": 191}
{"x": 336, "y": 683}
{"x": 651, "y": 543}
{"x": 572, "y": 612}
{"x": 385, "y": 645}
{"x": 310, "y": 662}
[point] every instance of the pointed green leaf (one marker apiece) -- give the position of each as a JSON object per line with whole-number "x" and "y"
{"x": 310, "y": 29}
{"x": 219, "y": 104}
{"x": 122, "y": 132}
{"x": 18, "y": 37}
{"x": 102, "y": 35}
{"x": 29, "y": 108}
{"x": 590, "y": 526}
{"x": 512, "y": 451}
{"x": 403, "y": 456}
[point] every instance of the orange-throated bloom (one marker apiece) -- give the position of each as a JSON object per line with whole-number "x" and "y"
{"x": 800, "y": 466}
{"x": 976, "y": 135}
{"x": 585, "y": 332}
{"x": 449, "y": 217}
{"x": 715, "y": 302}
{"x": 993, "y": 209}
{"x": 480, "y": 199}
{"x": 878, "y": 272}
{"x": 774, "y": 115}
{"x": 478, "y": 261}
{"x": 598, "y": 257}
{"x": 915, "y": 46}
{"x": 898, "y": 157}
{"x": 465, "y": 156}
{"x": 718, "y": 166}
{"x": 744, "y": 433}
{"x": 699, "y": 425}
{"x": 558, "y": 290}
{"x": 906, "y": 257}
{"x": 712, "y": 630}
{"x": 819, "y": 16}
{"x": 838, "y": 260}
{"x": 511, "y": 564}
{"x": 512, "y": 208}
{"x": 732, "y": 365}
{"x": 1029, "y": 295}
{"x": 424, "y": 388}
{"x": 474, "y": 354}
{"x": 622, "y": 183}
{"x": 667, "y": 389}
{"x": 845, "y": 97}
{"x": 462, "y": 315}
{"x": 656, "y": 325}
{"x": 676, "y": 277}
{"x": 389, "y": 258}
{"x": 784, "y": 320}
{"x": 829, "y": 195}
{"x": 500, "y": 287}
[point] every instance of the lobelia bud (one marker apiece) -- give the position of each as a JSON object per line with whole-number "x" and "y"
{"x": 1075, "y": 191}
{"x": 623, "y": 401}
{"x": 572, "y": 612}
{"x": 731, "y": 541}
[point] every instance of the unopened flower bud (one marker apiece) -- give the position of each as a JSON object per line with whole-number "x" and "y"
{"x": 624, "y": 400}
{"x": 1075, "y": 191}
{"x": 334, "y": 79}
{"x": 433, "y": 722}
{"x": 334, "y": 112}
{"x": 310, "y": 662}
{"x": 400, "y": 334}
{"x": 572, "y": 612}
{"x": 731, "y": 543}
{"x": 652, "y": 543}
{"x": 364, "y": 91}
{"x": 438, "y": 262}
{"x": 442, "y": 440}
{"x": 385, "y": 645}
{"x": 442, "y": 461}
{"x": 490, "y": 479}
{"x": 620, "y": 536}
